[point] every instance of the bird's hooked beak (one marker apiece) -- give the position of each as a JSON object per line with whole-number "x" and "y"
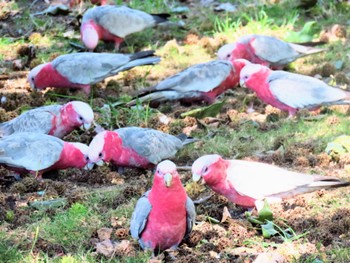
{"x": 242, "y": 83}
{"x": 86, "y": 126}
{"x": 100, "y": 163}
{"x": 89, "y": 166}
{"x": 196, "y": 177}
{"x": 168, "y": 178}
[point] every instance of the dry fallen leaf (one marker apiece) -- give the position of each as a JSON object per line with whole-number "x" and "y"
{"x": 104, "y": 233}
{"x": 225, "y": 215}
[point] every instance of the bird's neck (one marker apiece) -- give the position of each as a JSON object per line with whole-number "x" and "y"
{"x": 50, "y": 77}
{"x": 173, "y": 197}
{"x": 65, "y": 122}
{"x": 70, "y": 157}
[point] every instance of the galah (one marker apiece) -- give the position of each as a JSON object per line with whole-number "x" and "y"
{"x": 134, "y": 147}
{"x": 265, "y": 50}
{"x": 200, "y": 82}
{"x": 164, "y": 215}
{"x": 290, "y": 91}
{"x": 114, "y": 23}
{"x": 37, "y": 153}
{"x": 81, "y": 70}
{"x": 56, "y": 120}
{"x": 248, "y": 183}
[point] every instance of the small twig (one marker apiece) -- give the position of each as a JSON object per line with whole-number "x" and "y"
{"x": 202, "y": 200}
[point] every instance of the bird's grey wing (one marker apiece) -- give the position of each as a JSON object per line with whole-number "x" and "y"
{"x": 89, "y": 68}
{"x": 122, "y": 21}
{"x": 273, "y": 50}
{"x": 151, "y": 144}
{"x": 299, "y": 91}
{"x": 31, "y": 151}
{"x": 139, "y": 216}
{"x": 190, "y": 216}
{"x": 37, "y": 120}
{"x": 202, "y": 77}
{"x": 268, "y": 179}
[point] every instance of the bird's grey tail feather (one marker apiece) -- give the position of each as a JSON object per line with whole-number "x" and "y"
{"x": 139, "y": 62}
{"x": 315, "y": 186}
{"x": 142, "y": 54}
{"x": 311, "y": 43}
{"x": 160, "y": 18}
{"x": 306, "y": 50}
{"x": 156, "y": 96}
{"x": 185, "y": 139}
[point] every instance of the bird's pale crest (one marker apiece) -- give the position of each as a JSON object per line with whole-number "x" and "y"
{"x": 225, "y": 51}
{"x": 82, "y": 147}
{"x": 83, "y": 110}
{"x": 166, "y": 166}
{"x": 204, "y": 161}
{"x": 96, "y": 146}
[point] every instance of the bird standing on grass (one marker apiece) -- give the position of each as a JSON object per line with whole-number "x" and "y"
{"x": 290, "y": 91}
{"x": 164, "y": 215}
{"x": 56, "y": 120}
{"x": 81, "y": 70}
{"x": 200, "y": 82}
{"x": 135, "y": 147}
{"x": 37, "y": 153}
{"x": 114, "y": 23}
{"x": 247, "y": 183}
{"x": 265, "y": 50}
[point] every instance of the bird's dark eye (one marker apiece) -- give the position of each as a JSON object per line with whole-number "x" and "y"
{"x": 87, "y": 158}
{"x": 229, "y": 55}
{"x": 100, "y": 155}
{"x": 32, "y": 78}
{"x": 80, "y": 118}
{"x": 205, "y": 169}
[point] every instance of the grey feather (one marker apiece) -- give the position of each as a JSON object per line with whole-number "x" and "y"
{"x": 278, "y": 52}
{"x": 152, "y": 144}
{"x": 139, "y": 216}
{"x": 189, "y": 83}
{"x": 31, "y": 151}
{"x": 299, "y": 91}
{"x": 90, "y": 68}
{"x": 37, "y": 120}
{"x": 190, "y": 217}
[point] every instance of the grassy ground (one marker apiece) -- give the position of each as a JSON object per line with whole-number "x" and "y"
{"x": 316, "y": 227}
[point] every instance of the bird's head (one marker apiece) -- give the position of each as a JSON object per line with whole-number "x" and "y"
{"x": 89, "y": 35}
{"x": 82, "y": 158}
{"x": 204, "y": 167}
{"x": 166, "y": 171}
{"x": 100, "y": 148}
{"x": 249, "y": 72}
{"x": 225, "y": 52}
{"x": 82, "y": 114}
{"x": 33, "y": 75}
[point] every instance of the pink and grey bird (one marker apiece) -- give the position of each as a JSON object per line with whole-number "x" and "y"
{"x": 290, "y": 91}
{"x": 265, "y": 50}
{"x": 114, "y": 23}
{"x": 247, "y": 183}
{"x": 200, "y": 82}
{"x": 164, "y": 215}
{"x": 56, "y": 120}
{"x": 135, "y": 147}
{"x": 36, "y": 153}
{"x": 81, "y": 70}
